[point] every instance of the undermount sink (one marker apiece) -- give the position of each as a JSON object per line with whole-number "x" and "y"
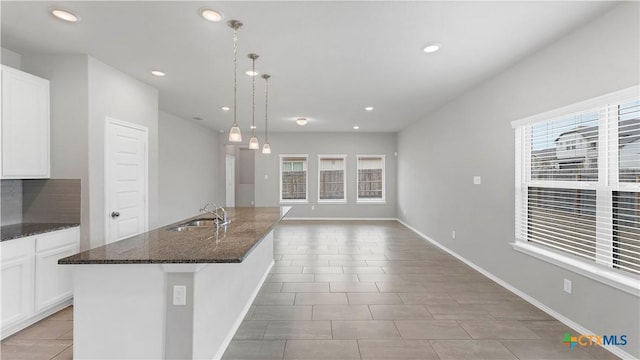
{"x": 197, "y": 224}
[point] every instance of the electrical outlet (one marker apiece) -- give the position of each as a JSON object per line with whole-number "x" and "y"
{"x": 453, "y": 235}
{"x": 568, "y": 286}
{"x": 313, "y": 207}
{"x": 477, "y": 180}
{"x": 179, "y": 295}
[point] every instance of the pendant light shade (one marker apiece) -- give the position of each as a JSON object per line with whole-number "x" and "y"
{"x": 266, "y": 148}
{"x": 253, "y": 142}
{"x": 234, "y": 134}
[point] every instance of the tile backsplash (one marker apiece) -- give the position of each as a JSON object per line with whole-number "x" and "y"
{"x": 40, "y": 201}
{"x": 11, "y": 198}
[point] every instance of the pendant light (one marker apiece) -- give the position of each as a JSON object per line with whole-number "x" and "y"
{"x": 266, "y": 148}
{"x": 253, "y": 142}
{"x": 234, "y": 134}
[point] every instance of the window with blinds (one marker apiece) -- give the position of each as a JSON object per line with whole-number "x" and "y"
{"x": 293, "y": 178}
{"x": 371, "y": 186}
{"x": 332, "y": 179}
{"x": 578, "y": 181}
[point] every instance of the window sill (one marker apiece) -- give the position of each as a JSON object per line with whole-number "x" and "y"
{"x": 332, "y": 201}
{"x": 626, "y": 283}
{"x": 285, "y": 202}
{"x": 371, "y": 202}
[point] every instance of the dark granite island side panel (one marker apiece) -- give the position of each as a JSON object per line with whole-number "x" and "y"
{"x": 226, "y": 244}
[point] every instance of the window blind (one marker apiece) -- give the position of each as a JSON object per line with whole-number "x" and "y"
{"x": 370, "y": 178}
{"x": 293, "y": 179}
{"x": 331, "y": 182}
{"x": 578, "y": 182}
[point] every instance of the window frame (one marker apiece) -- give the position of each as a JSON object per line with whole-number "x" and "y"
{"x": 294, "y": 201}
{"x": 344, "y": 178}
{"x": 364, "y": 201}
{"x": 602, "y": 267}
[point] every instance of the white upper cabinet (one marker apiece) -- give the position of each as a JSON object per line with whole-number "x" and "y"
{"x": 25, "y": 125}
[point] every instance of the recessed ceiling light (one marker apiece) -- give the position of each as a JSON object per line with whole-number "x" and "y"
{"x": 251, "y": 73}
{"x": 356, "y": 127}
{"x": 157, "y": 73}
{"x": 225, "y": 108}
{"x": 65, "y": 15}
{"x": 369, "y": 108}
{"x": 431, "y": 48}
{"x": 211, "y": 15}
{"x": 197, "y": 118}
{"x": 301, "y": 121}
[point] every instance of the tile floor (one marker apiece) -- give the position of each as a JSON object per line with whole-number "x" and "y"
{"x": 49, "y": 339}
{"x": 376, "y": 290}
{"x": 363, "y": 290}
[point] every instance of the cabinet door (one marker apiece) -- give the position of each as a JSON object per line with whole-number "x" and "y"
{"x": 54, "y": 282}
{"x": 25, "y": 125}
{"x": 17, "y": 281}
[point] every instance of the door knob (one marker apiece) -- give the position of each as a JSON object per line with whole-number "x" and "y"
{"x": 115, "y": 214}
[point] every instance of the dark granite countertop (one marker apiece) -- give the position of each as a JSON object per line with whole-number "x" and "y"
{"x": 230, "y": 244}
{"x": 16, "y": 231}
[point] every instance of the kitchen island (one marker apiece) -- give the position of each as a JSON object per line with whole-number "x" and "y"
{"x": 170, "y": 294}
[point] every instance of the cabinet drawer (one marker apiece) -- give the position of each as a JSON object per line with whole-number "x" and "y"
{"x": 17, "y": 248}
{"x": 57, "y": 239}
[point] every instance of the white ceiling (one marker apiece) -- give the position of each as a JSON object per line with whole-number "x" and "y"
{"x": 328, "y": 60}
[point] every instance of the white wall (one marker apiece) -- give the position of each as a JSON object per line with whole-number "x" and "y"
{"x": 10, "y": 58}
{"x": 188, "y": 156}
{"x": 68, "y": 81}
{"x": 116, "y": 95}
{"x": 314, "y": 144}
{"x": 472, "y": 135}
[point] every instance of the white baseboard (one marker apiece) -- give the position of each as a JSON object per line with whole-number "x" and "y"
{"x": 243, "y": 313}
{"x": 563, "y": 319}
{"x": 338, "y": 219}
{"x": 35, "y": 318}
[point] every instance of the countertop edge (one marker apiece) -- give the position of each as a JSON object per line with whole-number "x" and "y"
{"x": 52, "y": 228}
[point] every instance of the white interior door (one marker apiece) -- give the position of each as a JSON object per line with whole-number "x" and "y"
{"x": 230, "y": 166}
{"x": 125, "y": 180}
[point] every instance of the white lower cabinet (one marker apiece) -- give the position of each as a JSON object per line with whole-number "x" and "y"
{"x": 17, "y": 281}
{"x": 33, "y": 284}
{"x": 53, "y": 281}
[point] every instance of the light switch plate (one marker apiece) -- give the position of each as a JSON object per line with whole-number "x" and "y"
{"x": 567, "y": 286}
{"x": 179, "y": 295}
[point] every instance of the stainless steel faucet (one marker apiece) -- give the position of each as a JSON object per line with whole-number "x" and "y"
{"x": 224, "y": 219}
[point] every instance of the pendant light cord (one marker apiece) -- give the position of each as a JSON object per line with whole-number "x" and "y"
{"x": 253, "y": 98}
{"x": 235, "y": 75}
{"x": 266, "y": 107}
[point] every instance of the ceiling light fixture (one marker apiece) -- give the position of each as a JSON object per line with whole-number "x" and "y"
{"x": 65, "y": 15}
{"x": 431, "y": 48}
{"x": 235, "y": 135}
{"x": 301, "y": 121}
{"x": 369, "y": 108}
{"x": 356, "y": 127}
{"x": 211, "y": 15}
{"x": 225, "y": 108}
{"x": 251, "y": 72}
{"x": 157, "y": 73}
{"x": 266, "y": 148}
{"x": 253, "y": 142}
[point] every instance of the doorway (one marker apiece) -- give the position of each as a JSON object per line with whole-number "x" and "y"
{"x": 230, "y": 181}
